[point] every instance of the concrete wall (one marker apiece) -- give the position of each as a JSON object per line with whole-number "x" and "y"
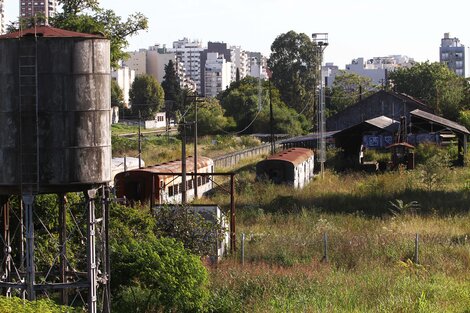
{"x": 231, "y": 159}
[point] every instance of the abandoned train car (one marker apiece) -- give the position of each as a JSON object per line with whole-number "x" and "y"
{"x": 156, "y": 185}
{"x": 293, "y": 167}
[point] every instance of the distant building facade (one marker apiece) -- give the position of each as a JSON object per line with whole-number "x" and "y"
{"x": 452, "y": 53}
{"x": 30, "y": 8}
{"x": 377, "y": 68}
{"x": 124, "y": 76}
{"x": 240, "y": 62}
{"x": 217, "y": 74}
{"x": 189, "y": 54}
{"x": 2, "y": 18}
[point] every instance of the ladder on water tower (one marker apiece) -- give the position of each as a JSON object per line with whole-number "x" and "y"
{"x": 28, "y": 101}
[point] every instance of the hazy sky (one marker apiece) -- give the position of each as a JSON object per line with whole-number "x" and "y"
{"x": 357, "y": 28}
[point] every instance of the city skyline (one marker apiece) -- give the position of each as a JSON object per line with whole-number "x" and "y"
{"x": 364, "y": 28}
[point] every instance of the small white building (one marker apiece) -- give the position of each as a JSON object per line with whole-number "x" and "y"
{"x": 158, "y": 122}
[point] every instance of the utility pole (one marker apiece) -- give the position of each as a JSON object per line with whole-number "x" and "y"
{"x": 140, "y": 141}
{"x": 195, "y": 150}
{"x": 183, "y": 165}
{"x": 271, "y": 119}
{"x": 321, "y": 42}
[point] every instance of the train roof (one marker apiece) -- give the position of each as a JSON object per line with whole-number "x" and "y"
{"x": 175, "y": 166}
{"x": 292, "y": 155}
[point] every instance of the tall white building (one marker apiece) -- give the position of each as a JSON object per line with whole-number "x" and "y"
{"x": 189, "y": 54}
{"x": 240, "y": 61}
{"x": 217, "y": 74}
{"x": 124, "y": 76}
{"x": 30, "y": 8}
{"x": 2, "y": 18}
{"x": 257, "y": 65}
{"x": 452, "y": 53}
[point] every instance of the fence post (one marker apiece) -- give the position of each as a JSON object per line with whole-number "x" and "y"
{"x": 416, "y": 260}
{"x": 325, "y": 247}
{"x": 243, "y": 248}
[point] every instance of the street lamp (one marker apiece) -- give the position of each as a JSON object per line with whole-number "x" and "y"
{"x": 321, "y": 42}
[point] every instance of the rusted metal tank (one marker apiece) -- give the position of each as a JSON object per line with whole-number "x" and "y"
{"x": 54, "y": 111}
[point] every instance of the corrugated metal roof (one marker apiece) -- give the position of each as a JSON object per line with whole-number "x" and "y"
{"x": 382, "y": 122}
{"x": 49, "y": 32}
{"x": 175, "y": 166}
{"x": 293, "y": 155}
{"x": 440, "y": 120}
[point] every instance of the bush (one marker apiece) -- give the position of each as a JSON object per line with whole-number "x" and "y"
{"x": 152, "y": 274}
{"x": 17, "y": 305}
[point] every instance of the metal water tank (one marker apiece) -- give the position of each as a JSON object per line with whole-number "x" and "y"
{"x": 55, "y": 106}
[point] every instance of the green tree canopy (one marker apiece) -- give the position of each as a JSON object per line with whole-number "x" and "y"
{"x": 210, "y": 118}
{"x": 435, "y": 84}
{"x": 347, "y": 89}
{"x": 88, "y": 17}
{"x": 117, "y": 96}
{"x": 293, "y": 65}
{"x": 146, "y": 95}
{"x": 247, "y": 102}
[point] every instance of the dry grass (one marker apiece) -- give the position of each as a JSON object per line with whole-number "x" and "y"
{"x": 370, "y": 250}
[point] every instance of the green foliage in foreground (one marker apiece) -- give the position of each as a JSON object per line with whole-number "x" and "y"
{"x": 150, "y": 273}
{"x": 17, "y": 305}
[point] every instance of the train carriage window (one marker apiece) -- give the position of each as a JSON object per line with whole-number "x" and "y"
{"x": 175, "y": 190}
{"x": 199, "y": 181}
{"x": 170, "y": 191}
{"x": 180, "y": 188}
{"x": 190, "y": 184}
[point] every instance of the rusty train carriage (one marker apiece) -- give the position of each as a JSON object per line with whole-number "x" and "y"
{"x": 293, "y": 167}
{"x": 148, "y": 185}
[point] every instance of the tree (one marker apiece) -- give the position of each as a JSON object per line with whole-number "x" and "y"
{"x": 243, "y": 103}
{"x": 347, "y": 89}
{"x": 433, "y": 83}
{"x": 86, "y": 16}
{"x": 117, "y": 96}
{"x": 150, "y": 273}
{"x": 171, "y": 83}
{"x": 147, "y": 96}
{"x": 210, "y": 118}
{"x": 293, "y": 65}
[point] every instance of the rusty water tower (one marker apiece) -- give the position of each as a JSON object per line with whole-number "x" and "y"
{"x": 54, "y": 138}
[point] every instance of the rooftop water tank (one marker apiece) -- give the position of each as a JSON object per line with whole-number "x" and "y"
{"x": 54, "y": 111}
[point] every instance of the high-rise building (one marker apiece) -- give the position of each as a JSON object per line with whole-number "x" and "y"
{"x": 240, "y": 62}
{"x": 2, "y": 18}
{"x": 217, "y": 74}
{"x": 452, "y": 53}
{"x": 189, "y": 54}
{"x": 30, "y": 8}
{"x": 124, "y": 77}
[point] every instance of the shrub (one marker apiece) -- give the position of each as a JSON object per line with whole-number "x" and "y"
{"x": 17, "y": 305}
{"x": 152, "y": 274}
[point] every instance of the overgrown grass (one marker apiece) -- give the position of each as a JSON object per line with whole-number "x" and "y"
{"x": 370, "y": 250}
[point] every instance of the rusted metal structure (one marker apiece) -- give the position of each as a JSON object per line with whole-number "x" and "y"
{"x": 54, "y": 138}
{"x": 293, "y": 166}
{"x": 163, "y": 183}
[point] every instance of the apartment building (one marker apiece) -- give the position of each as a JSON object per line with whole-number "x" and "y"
{"x": 30, "y": 8}
{"x": 217, "y": 74}
{"x": 452, "y": 53}
{"x": 124, "y": 76}
{"x": 240, "y": 62}
{"x": 188, "y": 53}
{"x": 2, "y": 18}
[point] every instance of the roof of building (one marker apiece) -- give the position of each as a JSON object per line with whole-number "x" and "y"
{"x": 175, "y": 166}
{"x": 440, "y": 121}
{"x": 49, "y": 32}
{"x": 380, "y": 122}
{"x": 293, "y": 155}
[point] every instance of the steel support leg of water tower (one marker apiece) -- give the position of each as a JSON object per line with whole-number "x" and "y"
{"x": 6, "y": 270}
{"x": 63, "y": 245}
{"x": 91, "y": 251}
{"x": 106, "y": 265}
{"x": 29, "y": 226}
